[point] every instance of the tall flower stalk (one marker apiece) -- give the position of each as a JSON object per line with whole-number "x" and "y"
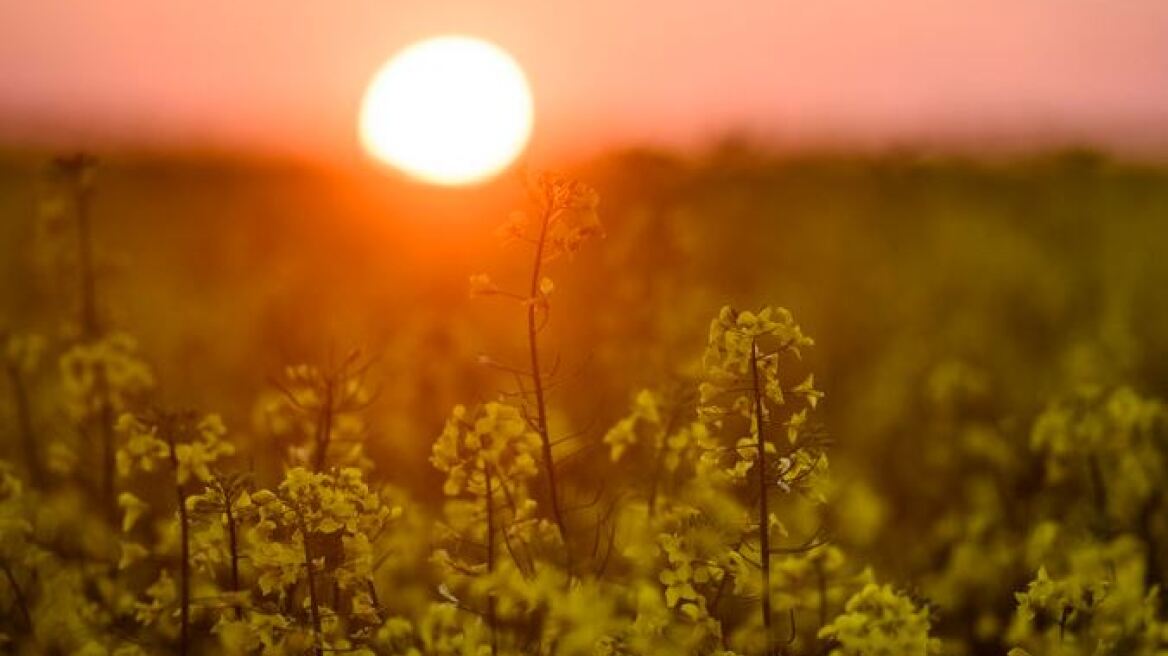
{"x": 744, "y": 391}
{"x": 541, "y": 424}
{"x": 190, "y": 445}
{"x": 76, "y": 173}
{"x": 565, "y": 216}
{"x": 19, "y": 357}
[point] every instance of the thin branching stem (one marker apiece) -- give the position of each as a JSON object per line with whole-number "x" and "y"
{"x": 764, "y": 541}
{"x": 1099, "y": 494}
{"x": 492, "y": 615}
{"x": 310, "y": 574}
{"x": 76, "y": 168}
{"x": 87, "y": 280}
{"x": 529, "y": 568}
{"x": 105, "y": 428}
{"x": 185, "y": 550}
{"x": 1153, "y": 557}
{"x": 324, "y": 427}
{"x": 659, "y": 461}
{"x": 17, "y": 595}
{"x": 232, "y": 544}
{"x": 537, "y": 381}
{"x": 821, "y": 582}
{"x": 24, "y": 425}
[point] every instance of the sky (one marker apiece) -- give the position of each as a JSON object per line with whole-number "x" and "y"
{"x": 285, "y": 77}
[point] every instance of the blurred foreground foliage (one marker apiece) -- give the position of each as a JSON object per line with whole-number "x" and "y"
{"x": 612, "y": 450}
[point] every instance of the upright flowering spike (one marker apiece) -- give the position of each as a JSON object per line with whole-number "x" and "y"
{"x": 878, "y": 620}
{"x": 745, "y": 396}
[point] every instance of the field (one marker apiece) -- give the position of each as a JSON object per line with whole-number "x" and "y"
{"x": 254, "y": 408}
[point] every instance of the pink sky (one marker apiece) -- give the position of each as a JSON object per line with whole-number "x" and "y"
{"x": 285, "y": 77}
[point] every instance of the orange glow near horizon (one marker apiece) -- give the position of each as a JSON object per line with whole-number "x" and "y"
{"x": 450, "y": 110}
{"x": 250, "y": 78}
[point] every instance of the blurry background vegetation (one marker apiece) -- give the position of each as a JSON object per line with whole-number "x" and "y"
{"x": 941, "y": 291}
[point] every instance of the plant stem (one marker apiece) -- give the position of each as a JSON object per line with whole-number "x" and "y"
{"x": 24, "y": 422}
{"x": 91, "y": 330}
{"x": 185, "y": 588}
{"x": 1099, "y": 495}
{"x": 310, "y": 572}
{"x": 185, "y": 555}
{"x": 821, "y": 580}
{"x": 492, "y": 615}
{"x": 373, "y": 596}
{"x": 105, "y": 427}
{"x": 537, "y": 381}
{"x": 18, "y": 595}
{"x": 233, "y": 545}
{"x": 1147, "y": 530}
{"x": 659, "y": 462}
{"x": 764, "y": 538}
{"x": 87, "y": 279}
{"x": 324, "y": 428}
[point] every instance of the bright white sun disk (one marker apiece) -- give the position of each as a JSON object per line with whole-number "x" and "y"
{"x": 449, "y": 110}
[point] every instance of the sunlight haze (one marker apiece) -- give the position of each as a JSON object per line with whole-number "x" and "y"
{"x": 287, "y": 78}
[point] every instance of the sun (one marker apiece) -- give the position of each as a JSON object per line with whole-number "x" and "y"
{"x": 450, "y": 110}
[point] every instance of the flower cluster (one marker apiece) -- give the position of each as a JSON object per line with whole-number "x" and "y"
{"x": 21, "y": 352}
{"x": 318, "y": 413}
{"x": 744, "y": 395}
{"x": 497, "y": 441}
{"x": 107, "y": 371}
{"x": 878, "y": 621}
{"x": 194, "y": 443}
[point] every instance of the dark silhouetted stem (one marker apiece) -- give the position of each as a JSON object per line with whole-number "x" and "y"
{"x": 313, "y": 604}
{"x": 91, "y": 330}
{"x": 185, "y": 553}
{"x": 373, "y": 596}
{"x": 821, "y": 580}
{"x": 659, "y": 463}
{"x": 537, "y": 382}
{"x": 105, "y": 428}
{"x": 492, "y": 614}
{"x": 324, "y": 428}
{"x": 1099, "y": 494}
{"x": 88, "y": 278}
{"x": 764, "y": 538}
{"x": 233, "y": 546}
{"x": 1153, "y": 557}
{"x": 17, "y": 595}
{"x": 24, "y": 424}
